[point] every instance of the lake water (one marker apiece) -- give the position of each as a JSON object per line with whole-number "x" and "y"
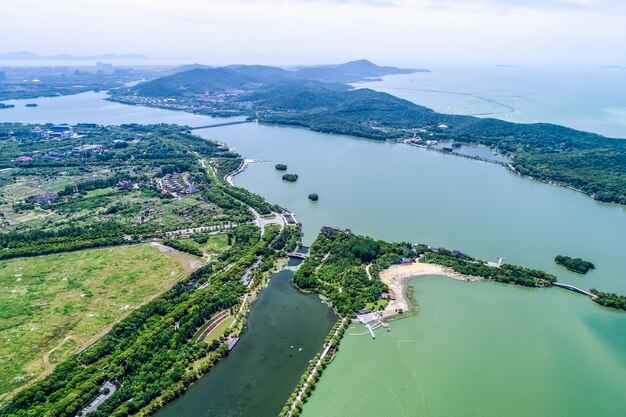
{"x": 483, "y": 350}
{"x": 590, "y": 99}
{"x": 474, "y": 349}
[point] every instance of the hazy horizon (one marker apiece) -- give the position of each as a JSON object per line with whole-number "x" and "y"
{"x": 305, "y": 32}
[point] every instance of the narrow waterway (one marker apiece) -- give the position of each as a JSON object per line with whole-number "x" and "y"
{"x": 285, "y": 329}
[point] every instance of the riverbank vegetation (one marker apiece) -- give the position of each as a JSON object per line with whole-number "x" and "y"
{"x": 574, "y": 264}
{"x": 119, "y": 185}
{"x": 336, "y": 266}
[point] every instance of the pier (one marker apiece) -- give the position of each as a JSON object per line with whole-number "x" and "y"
{"x": 368, "y": 318}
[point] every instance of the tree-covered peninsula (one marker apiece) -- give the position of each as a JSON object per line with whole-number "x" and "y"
{"x": 609, "y": 299}
{"x": 337, "y": 267}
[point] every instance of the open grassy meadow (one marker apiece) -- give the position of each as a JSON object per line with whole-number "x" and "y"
{"x": 51, "y": 306}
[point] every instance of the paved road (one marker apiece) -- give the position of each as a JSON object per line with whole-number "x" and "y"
{"x": 99, "y": 399}
{"x": 263, "y": 222}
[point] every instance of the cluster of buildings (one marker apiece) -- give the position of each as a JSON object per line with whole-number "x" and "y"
{"x": 335, "y": 230}
{"x": 171, "y": 184}
{"x": 46, "y": 198}
{"x": 61, "y": 131}
{"x": 59, "y": 155}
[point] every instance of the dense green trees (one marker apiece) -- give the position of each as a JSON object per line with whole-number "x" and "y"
{"x": 574, "y": 264}
{"x": 281, "y": 167}
{"x": 336, "y": 268}
{"x": 609, "y": 299}
{"x": 183, "y": 246}
{"x": 290, "y": 177}
{"x": 512, "y": 274}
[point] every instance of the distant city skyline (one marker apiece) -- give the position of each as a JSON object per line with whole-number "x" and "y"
{"x": 300, "y": 32}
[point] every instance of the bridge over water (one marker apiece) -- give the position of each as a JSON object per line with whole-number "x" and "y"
{"x": 238, "y": 122}
{"x": 575, "y": 289}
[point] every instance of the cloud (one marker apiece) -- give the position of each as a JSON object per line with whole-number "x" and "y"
{"x": 399, "y": 32}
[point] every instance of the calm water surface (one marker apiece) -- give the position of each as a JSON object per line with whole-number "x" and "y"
{"x": 589, "y": 99}
{"x": 482, "y": 350}
{"x": 285, "y": 329}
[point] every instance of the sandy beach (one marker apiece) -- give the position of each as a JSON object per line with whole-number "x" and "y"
{"x": 397, "y": 276}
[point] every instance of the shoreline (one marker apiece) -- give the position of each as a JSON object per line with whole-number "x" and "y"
{"x": 397, "y": 277}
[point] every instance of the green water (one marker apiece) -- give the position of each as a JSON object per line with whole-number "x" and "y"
{"x": 262, "y": 370}
{"x": 482, "y": 349}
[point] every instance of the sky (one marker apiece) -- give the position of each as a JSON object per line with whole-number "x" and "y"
{"x": 299, "y": 32}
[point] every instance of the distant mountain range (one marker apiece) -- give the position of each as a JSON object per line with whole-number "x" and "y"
{"x": 68, "y": 57}
{"x": 196, "y": 78}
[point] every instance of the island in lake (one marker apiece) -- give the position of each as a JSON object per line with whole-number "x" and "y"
{"x": 290, "y": 177}
{"x": 574, "y": 264}
{"x": 281, "y": 167}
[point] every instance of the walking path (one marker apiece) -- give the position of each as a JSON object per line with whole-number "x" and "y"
{"x": 99, "y": 399}
{"x": 263, "y": 222}
{"x": 313, "y": 370}
{"x": 573, "y": 288}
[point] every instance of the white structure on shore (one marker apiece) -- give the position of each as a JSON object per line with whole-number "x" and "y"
{"x": 495, "y": 264}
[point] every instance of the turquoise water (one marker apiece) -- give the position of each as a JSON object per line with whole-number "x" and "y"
{"x": 482, "y": 350}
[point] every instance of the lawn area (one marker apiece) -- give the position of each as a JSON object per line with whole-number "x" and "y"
{"x": 378, "y": 305}
{"x": 213, "y": 246}
{"x": 51, "y": 306}
{"x": 219, "y": 330}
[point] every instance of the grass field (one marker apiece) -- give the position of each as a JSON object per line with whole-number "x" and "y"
{"x": 219, "y": 330}
{"x": 214, "y": 245}
{"x": 51, "y": 306}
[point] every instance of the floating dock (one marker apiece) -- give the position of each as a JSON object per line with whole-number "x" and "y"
{"x": 232, "y": 343}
